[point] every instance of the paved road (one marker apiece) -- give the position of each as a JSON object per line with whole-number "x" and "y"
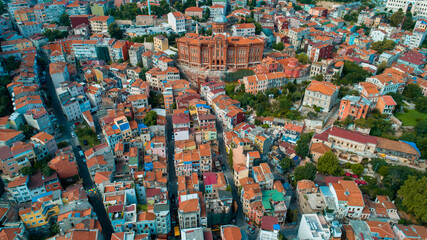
{"x": 240, "y": 218}
{"x": 170, "y": 151}
{"x": 95, "y": 200}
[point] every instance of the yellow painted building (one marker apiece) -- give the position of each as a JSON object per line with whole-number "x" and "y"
{"x": 39, "y": 214}
{"x": 161, "y": 43}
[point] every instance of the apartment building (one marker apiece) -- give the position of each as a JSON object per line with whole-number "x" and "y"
{"x": 135, "y": 53}
{"x": 59, "y": 73}
{"x": 14, "y": 45}
{"x": 386, "y": 105}
{"x": 39, "y": 119}
{"x": 313, "y": 226}
{"x": 99, "y": 24}
{"x": 189, "y": 211}
{"x": 321, "y": 94}
{"x": 354, "y": 107}
{"x": 256, "y": 83}
{"x": 28, "y": 29}
{"x": 40, "y": 213}
{"x": 19, "y": 189}
{"x": 348, "y": 199}
{"x": 47, "y": 141}
{"x": 16, "y": 157}
{"x": 161, "y": 43}
{"x": 244, "y": 30}
{"x": 177, "y": 21}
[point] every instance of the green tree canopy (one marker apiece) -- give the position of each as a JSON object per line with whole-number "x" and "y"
{"x": 319, "y": 77}
{"x": 278, "y": 46}
{"x": 151, "y": 118}
{"x": 329, "y": 164}
{"x": 286, "y": 164}
{"x": 413, "y": 91}
{"x": 302, "y": 58}
{"x": 308, "y": 171}
{"x": 115, "y": 31}
{"x": 414, "y": 194}
{"x": 397, "y": 18}
{"x": 64, "y": 20}
{"x": 382, "y": 46}
{"x": 357, "y": 169}
{"x": 421, "y": 104}
{"x": 28, "y": 171}
{"x": 302, "y": 147}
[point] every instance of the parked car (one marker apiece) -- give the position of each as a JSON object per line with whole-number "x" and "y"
{"x": 73, "y": 134}
{"x": 99, "y": 137}
{"x": 85, "y": 142}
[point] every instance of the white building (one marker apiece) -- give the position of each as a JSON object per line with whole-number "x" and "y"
{"x": 19, "y": 189}
{"x": 84, "y": 49}
{"x": 189, "y": 211}
{"x": 244, "y": 30}
{"x": 348, "y": 199}
{"x": 321, "y": 94}
{"x": 28, "y": 29}
{"x": 378, "y": 35}
{"x": 416, "y": 39}
{"x": 313, "y": 226}
{"x": 177, "y": 21}
{"x": 163, "y": 218}
{"x": 71, "y": 109}
{"x": 59, "y": 73}
{"x": 418, "y": 7}
{"x": 135, "y": 53}
{"x": 93, "y": 93}
{"x": 217, "y": 10}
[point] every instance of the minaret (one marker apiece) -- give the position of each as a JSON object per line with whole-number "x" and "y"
{"x": 197, "y": 3}
{"x": 149, "y": 7}
{"x": 197, "y": 27}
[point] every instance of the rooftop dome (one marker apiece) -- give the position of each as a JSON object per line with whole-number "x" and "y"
{"x": 220, "y": 19}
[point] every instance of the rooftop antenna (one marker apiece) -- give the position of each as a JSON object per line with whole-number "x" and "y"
{"x": 149, "y": 7}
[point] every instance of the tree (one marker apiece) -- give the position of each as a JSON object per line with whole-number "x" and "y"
{"x": 421, "y": 105}
{"x": 382, "y": 67}
{"x": 319, "y": 77}
{"x": 228, "y": 189}
{"x": 11, "y": 63}
{"x": 286, "y": 164}
{"x": 302, "y": 58}
{"x": 27, "y": 130}
{"x": 64, "y": 20}
{"x": 28, "y": 171}
{"x": 414, "y": 194}
{"x": 308, "y": 171}
{"x": 142, "y": 73}
{"x": 230, "y": 157}
{"x": 206, "y": 14}
{"x": 413, "y": 91}
{"x": 397, "y": 18}
{"x": 409, "y": 22}
{"x": 55, "y": 34}
{"x": 302, "y": 147}
{"x": 278, "y": 46}
{"x": 265, "y": 125}
{"x": 115, "y": 31}
{"x": 62, "y": 144}
{"x": 377, "y": 163}
{"x": 47, "y": 171}
{"x": 382, "y": 46}
{"x": 357, "y": 169}
{"x": 151, "y": 118}
{"x": 329, "y": 164}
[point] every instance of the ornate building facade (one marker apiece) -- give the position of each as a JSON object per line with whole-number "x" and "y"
{"x": 219, "y": 52}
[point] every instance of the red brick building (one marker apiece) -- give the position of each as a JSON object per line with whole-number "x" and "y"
{"x": 354, "y": 107}
{"x": 219, "y": 52}
{"x": 318, "y": 51}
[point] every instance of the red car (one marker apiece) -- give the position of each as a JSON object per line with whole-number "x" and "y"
{"x": 76, "y": 123}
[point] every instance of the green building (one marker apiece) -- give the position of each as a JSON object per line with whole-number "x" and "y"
{"x": 99, "y": 8}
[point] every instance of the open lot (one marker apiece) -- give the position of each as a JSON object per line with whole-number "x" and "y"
{"x": 411, "y": 118}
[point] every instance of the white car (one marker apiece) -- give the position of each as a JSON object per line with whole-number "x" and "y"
{"x": 73, "y": 134}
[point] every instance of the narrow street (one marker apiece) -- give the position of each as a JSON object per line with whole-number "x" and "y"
{"x": 95, "y": 200}
{"x": 170, "y": 151}
{"x": 240, "y": 217}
